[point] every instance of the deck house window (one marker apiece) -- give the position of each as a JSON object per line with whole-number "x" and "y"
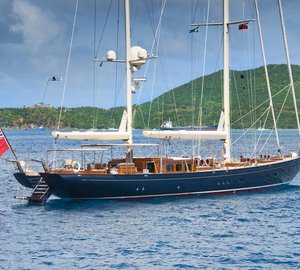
{"x": 170, "y": 168}
{"x": 188, "y": 167}
{"x": 178, "y": 167}
{"x": 151, "y": 167}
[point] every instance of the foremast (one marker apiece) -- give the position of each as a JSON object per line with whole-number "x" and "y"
{"x": 134, "y": 58}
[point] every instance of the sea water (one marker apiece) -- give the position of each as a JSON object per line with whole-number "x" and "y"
{"x": 259, "y": 230}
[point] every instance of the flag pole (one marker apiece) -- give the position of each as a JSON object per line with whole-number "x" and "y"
{"x": 11, "y": 149}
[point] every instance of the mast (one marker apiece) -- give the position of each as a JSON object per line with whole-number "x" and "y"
{"x": 227, "y": 143}
{"x": 128, "y": 79}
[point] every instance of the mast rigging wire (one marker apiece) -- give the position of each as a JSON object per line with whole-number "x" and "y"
{"x": 287, "y": 54}
{"x": 68, "y": 64}
{"x": 155, "y": 42}
{"x": 266, "y": 72}
{"x": 104, "y": 26}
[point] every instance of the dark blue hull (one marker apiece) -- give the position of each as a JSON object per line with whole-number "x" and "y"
{"x": 26, "y": 180}
{"x": 124, "y": 186}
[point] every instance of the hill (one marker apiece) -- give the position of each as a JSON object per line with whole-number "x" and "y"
{"x": 249, "y": 90}
{"x": 181, "y": 104}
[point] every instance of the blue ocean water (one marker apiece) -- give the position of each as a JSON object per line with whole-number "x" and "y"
{"x": 259, "y": 230}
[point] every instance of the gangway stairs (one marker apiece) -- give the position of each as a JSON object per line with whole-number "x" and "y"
{"x": 41, "y": 193}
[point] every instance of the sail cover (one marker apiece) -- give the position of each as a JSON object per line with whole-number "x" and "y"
{"x": 121, "y": 134}
{"x": 91, "y": 135}
{"x": 201, "y": 135}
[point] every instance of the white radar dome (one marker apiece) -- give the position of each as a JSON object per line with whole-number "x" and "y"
{"x": 111, "y": 55}
{"x": 142, "y": 54}
{"x": 138, "y": 56}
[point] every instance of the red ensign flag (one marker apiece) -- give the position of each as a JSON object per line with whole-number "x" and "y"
{"x": 4, "y": 146}
{"x": 243, "y": 26}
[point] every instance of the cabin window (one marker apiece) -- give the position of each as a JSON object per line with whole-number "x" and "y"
{"x": 188, "y": 167}
{"x": 178, "y": 167}
{"x": 170, "y": 168}
{"x": 151, "y": 167}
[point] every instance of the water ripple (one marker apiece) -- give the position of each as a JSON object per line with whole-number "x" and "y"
{"x": 242, "y": 231}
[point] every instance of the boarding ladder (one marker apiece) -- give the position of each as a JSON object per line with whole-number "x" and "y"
{"x": 41, "y": 192}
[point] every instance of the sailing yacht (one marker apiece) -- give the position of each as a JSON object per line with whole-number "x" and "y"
{"x": 132, "y": 177}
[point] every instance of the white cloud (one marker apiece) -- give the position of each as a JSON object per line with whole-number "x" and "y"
{"x": 37, "y": 27}
{"x": 35, "y": 37}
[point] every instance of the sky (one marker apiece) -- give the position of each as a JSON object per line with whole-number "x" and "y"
{"x": 35, "y": 40}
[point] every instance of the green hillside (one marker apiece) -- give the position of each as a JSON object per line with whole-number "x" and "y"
{"x": 242, "y": 99}
{"x": 177, "y": 104}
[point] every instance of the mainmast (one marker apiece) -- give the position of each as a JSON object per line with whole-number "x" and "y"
{"x": 227, "y": 143}
{"x": 128, "y": 78}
